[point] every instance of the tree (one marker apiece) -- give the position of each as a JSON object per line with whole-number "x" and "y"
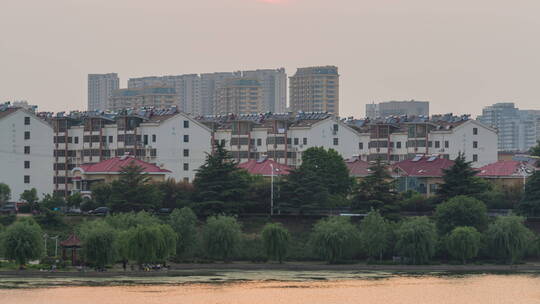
{"x": 530, "y": 204}
{"x": 30, "y": 196}
{"x": 330, "y": 167}
{"x": 168, "y": 245}
{"x": 151, "y": 243}
{"x": 22, "y": 241}
{"x": 375, "y": 234}
{"x": 5, "y": 193}
{"x": 461, "y": 211}
{"x": 54, "y": 201}
{"x": 461, "y": 179}
{"x": 184, "y": 223}
{"x": 124, "y": 221}
{"x": 535, "y": 151}
{"x": 304, "y": 190}
{"x": 175, "y": 195}
{"x": 75, "y": 200}
{"x": 332, "y": 238}
{"x": 417, "y": 240}
{"x": 101, "y": 193}
{"x": 377, "y": 191}
{"x": 221, "y": 236}
{"x": 508, "y": 238}
{"x": 99, "y": 244}
{"x": 220, "y": 180}
{"x": 463, "y": 243}
{"x": 276, "y": 241}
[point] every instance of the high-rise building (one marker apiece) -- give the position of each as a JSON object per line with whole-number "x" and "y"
{"x": 187, "y": 89}
{"x": 397, "y": 108}
{"x": 274, "y": 88}
{"x": 210, "y": 83}
{"x": 239, "y": 96}
{"x": 315, "y": 89}
{"x": 100, "y": 88}
{"x": 157, "y": 97}
{"x": 517, "y": 128}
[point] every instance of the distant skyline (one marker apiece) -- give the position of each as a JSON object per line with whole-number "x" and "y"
{"x": 460, "y": 55}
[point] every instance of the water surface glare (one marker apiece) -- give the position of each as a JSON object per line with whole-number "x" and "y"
{"x": 477, "y": 289}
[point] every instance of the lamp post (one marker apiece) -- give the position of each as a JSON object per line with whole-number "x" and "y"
{"x": 272, "y": 190}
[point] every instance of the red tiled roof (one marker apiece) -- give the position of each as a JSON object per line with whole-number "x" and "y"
{"x": 72, "y": 241}
{"x": 262, "y": 167}
{"x": 507, "y": 168}
{"x": 423, "y": 167}
{"x": 8, "y": 111}
{"x": 114, "y": 165}
{"x": 358, "y": 168}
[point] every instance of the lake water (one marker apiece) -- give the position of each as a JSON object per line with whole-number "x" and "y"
{"x": 474, "y": 289}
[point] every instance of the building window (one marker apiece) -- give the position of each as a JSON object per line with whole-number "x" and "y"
{"x": 475, "y": 144}
{"x": 259, "y": 141}
{"x": 186, "y": 152}
{"x": 27, "y": 164}
{"x": 186, "y": 138}
{"x": 145, "y": 139}
{"x": 27, "y": 179}
{"x": 26, "y": 149}
{"x": 475, "y": 131}
{"x": 437, "y": 144}
{"x": 154, "y": 138}
{"x": 186, "y": 124}
{"x": 76, "y": 139}
{"x": 336, "y": 127}
{"x": 27, "y": 135}
{"x": 475, "y": 157}
{"x": 430, "y": 144}
{"x": 27, "y": 120}
{"x": 186, "y": 167}
{"x": 304, "y": 141}
{"x": 446, "y": 144}
{"x": 398, "y": 145}
{"x": 336, "y": 141}
{"x": 361, "y": 146}
{"x": 111, "y": 139}
{"x": 296, "y": 141}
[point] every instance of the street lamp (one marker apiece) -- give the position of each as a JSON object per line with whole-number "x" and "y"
{"x": 272, "y": 190}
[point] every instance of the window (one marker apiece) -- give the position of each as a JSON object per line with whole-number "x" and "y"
{"x": 145, "y": 139}
{"x": 398, "y": 145}
{"x": 186, "y": 138}
{"x": 336, "y": 127}
{"x": 446, "y": 144}
{"x": 76, "y": 139}
{"x": 27, "y": 135}
{"x": 27, "y": 164}
{"x": 336, "y": 141}
{"x": 475, "y": 144}
{"x": 259, "y": 141}
{"x": 186, "y": 152}
{"x": 304, "y": 141}
{"x": 361, "y": 146}
{"x": 437, "y": 144}
{"x": 186, "y": 167}
{"x": 475, "y": 157}
{"x": 111, "y": 139}
{"x": 186, "y": 124}
{"x": 27, "y": 179}
{"x": 27, "y": 120}
{"x": 430, "y": 144}
{"x": 475, "y": 131}
{"x": 296, "y": 141}
{"x": 154, "y": 138}
{"x": 26, "y": 149}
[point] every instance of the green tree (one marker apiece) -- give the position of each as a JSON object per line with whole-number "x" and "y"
{"x": 304, "y": 190}
{"x": 184, "y": 223}
{"x": 276, "y": 241}
{"x": 463, "y": 243}
{"x": 22, "y": 241}
{"x": 508, "y": 238}
{"x": 151, "y": 243}
{"x": 124, "y": 221}
{"x": 30, "y": 196}
{"x": 54, "y": 201}
{"x": 461, "y": 179}
{"x": 101, "y": 193}
{"x": 99, "y": 244}
{"x": 175, "y": 195}
{"x": 75, "y": 200}
{"x": 332, "y": 238}
{"x": 5, "y": 193}
{"x": 168, "y": 245}
{"x": 377, "y": 191}
{"x": 417, "y": 240}
{"x": 221, "y": 237}
{"x": 330, "y": 167}
{"x": 375, "y": 235}
{"x": 461, "y": 211}
{"x": 530, "y": 204}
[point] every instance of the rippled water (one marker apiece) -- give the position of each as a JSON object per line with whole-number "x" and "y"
{"x": 477, "y": 289}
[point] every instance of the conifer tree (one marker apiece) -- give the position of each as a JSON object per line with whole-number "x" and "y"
{"x": 461, "y": 179}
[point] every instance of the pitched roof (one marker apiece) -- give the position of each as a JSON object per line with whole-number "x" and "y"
{"x": 358, "y": 167}
{"x": 262, "y": 167}
{"x": 424, "y": 166}
{"x": 71, "y": 241}
{"x": 505, "y": 168}
{"x": 7, "y": 111}
{"x": 115, "y": 164}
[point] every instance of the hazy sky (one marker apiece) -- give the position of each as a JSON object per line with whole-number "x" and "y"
{"x": 459, "y": 54}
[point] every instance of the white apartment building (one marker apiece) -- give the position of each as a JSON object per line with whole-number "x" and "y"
{"x": 168, "y": 138}
{"x": 26, "y": 155}
{"x": 100, "y": 88}
{"x": 397, "y": 108}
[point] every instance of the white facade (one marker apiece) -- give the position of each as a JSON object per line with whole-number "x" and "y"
{"x": 100, "y": 88}
{"x": 26, "y": 153}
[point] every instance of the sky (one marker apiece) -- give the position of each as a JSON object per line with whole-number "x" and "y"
{"x": 461, "y": 55}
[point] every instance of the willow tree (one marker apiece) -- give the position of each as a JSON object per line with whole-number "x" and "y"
{"x": 22, "y": 241}
{"x": 333, "y": 238}
{"x": 99, "y": 245}
{"x": 184, "y": 223}
{"x": 150, "y": 244}
{"x": 508, "y": 238}
{"x": 276, "y": 241}
{"x": 221, "y": 237}
{"x": 417, "y": 239}
{"x": 375, "y": 234}
{"x": 463, "y": 243}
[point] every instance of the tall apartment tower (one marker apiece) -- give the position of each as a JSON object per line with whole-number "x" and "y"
{"x": 100, "y": 88}
{"x": 274, "y": 88}
{"x": 187, "y": 88}
{"x": 315, "y": 89}
{"x": 210, "y": 83}
{"x": 239, "y": 96}
{"x": 397, "y": 108}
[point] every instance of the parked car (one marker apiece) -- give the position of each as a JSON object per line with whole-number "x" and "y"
{"x": 9, "y": 208}
{"x": 164, "y": 211}
{"x": 100, "y": 211}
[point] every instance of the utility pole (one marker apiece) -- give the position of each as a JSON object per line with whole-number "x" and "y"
{"x": 272, "y": 190}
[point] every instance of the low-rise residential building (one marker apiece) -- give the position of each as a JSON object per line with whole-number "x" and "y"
{"x": 265, "y": 167}
{"x": 423, "y": 173}
{"x": 397, "y": 108}
{"x": 358, "y": 168}
{"x": 26, "y": 156}
{"x": 510, "y": 174}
